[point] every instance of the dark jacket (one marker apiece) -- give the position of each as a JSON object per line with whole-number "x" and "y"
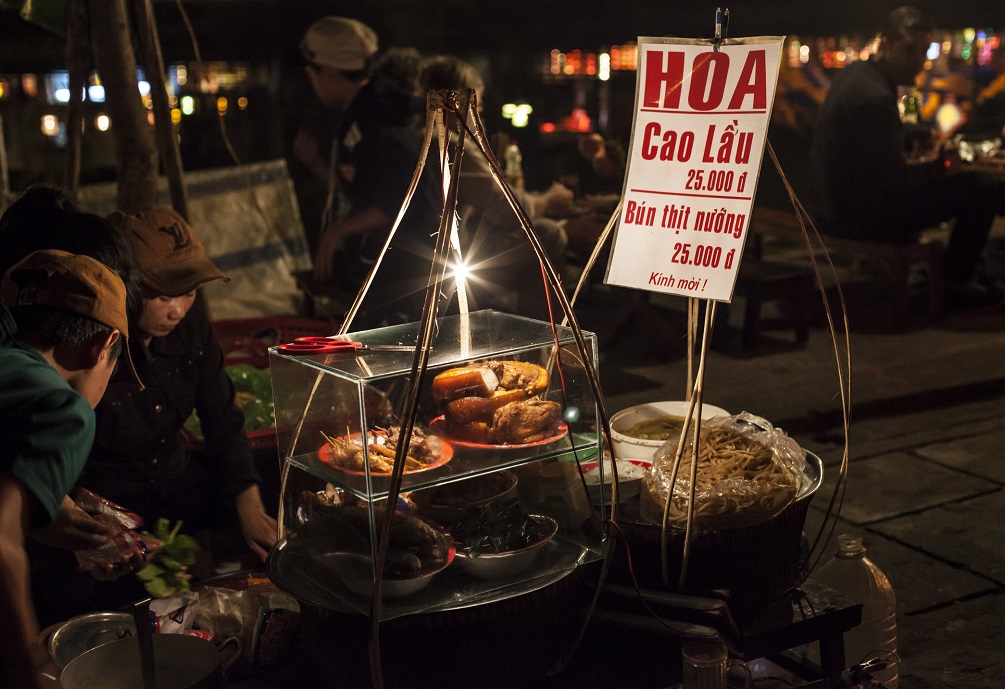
{"x": 857, "y": 160}
{"x": 139, "y": 459}
{"x": 377, "y": 150}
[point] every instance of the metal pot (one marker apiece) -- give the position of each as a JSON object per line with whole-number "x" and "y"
{"x": 180, "y": 662}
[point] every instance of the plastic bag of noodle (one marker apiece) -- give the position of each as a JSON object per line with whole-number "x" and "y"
{"x": 748, "y": 471}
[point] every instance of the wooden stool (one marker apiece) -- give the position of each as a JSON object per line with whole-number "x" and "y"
{"x": 763, "y": 281}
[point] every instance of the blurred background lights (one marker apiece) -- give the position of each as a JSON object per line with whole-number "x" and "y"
{"x": 96, "y": 93}
{"x": 518, "y": 114}
{"x": 221, "y": 105}
{"x": 50, "y": 125}
{"x": 604, "y": 67}
{"x": 144, "y": 88}
{"x": 934, "y": 50}
{"x": 242, "y": 103}
{"x": 102, "y": 122}
{"x": 187, "y": 105}
{"x": 61, "y": 95}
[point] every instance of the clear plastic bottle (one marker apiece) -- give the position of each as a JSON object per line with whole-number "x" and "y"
{"x": 912, "y": 107}
{"x": 850, "y": 572}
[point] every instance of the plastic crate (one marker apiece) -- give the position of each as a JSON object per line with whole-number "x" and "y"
{"x": 247, "y": 341}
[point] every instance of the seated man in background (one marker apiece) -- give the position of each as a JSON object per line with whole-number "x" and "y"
{"x": 865, "y": 187}
{"x": 62, "y": 324}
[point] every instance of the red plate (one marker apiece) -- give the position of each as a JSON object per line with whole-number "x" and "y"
{"x": 446, "y": 454}
{"x": 437, "y": 427}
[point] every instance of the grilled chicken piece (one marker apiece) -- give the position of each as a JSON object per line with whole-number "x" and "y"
{"x": 520, "y": 375}
{"x": 526, "y": 422}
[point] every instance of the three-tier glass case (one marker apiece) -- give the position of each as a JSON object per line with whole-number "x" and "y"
{"x": 492, "y": 500}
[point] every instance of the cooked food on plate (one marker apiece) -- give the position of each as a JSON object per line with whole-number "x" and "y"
{"x": 416, "y": 547}
{"x": 347, "y": 452}
{"x": 497, "y": 402}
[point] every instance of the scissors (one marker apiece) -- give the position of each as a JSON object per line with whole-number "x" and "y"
{"x": 328, "y": 345}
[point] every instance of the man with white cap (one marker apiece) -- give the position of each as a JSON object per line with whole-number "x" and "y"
{"x": 375, "y": 154}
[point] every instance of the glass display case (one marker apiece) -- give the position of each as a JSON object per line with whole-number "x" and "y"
{"x": 492, "y": 500}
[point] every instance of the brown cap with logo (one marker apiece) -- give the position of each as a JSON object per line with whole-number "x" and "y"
{"x": 339, "y": 42}
{"x": 69, "y": 282}
{"x": 170, "y": 259}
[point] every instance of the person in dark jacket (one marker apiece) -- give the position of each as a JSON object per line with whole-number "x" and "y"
{"x": 376, "y": 151}
{"x": 866, "y": 188}
{"x": 139, "y": 458}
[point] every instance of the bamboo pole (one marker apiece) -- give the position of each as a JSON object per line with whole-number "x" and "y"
{"x": 135, "y": 148}
{"x": 76, "y": 65}
{"x": 167, "y": 142}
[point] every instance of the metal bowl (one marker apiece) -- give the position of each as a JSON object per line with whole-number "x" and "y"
{"x": 507, "y": 564}
{"x": 80, "y": 634}
{"x": 454, "y": 501}
{"x": 355, "y": 571}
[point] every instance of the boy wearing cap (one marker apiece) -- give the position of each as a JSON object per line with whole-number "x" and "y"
{"x": 139, "y": 458}
{"x": 62, "y": 322}
{"x": 376, "y": 150}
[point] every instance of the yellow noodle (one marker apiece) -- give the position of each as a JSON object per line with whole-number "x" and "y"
{"x": 738, "y": 482}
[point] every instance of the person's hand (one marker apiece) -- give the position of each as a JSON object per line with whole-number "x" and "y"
{"x": 308, "y": 151}
{"x": 73, "y": 529}
{"x": 557, "y": 199}
{"x": 147, "y": 547}
{"x": 324, "y": 255}
{"x": 259, "y": 529}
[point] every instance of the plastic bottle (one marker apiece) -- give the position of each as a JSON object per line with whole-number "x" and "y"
{"x": 514, "y": 166}
{"x": 912, "y": 107}
{"x": 851, "y": 573}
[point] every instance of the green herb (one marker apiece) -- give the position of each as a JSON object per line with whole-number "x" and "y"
{"x": 165, "y": 574}
{"x": 498, "y": 527}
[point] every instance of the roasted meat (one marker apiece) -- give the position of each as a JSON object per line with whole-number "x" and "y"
{"x": 519, "y": 375}
{"x": 526, "y": 422}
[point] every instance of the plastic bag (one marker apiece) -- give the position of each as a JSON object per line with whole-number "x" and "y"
{"x": 174, "y": 614}
{"x": 271, "y": 619}
{"x": 219, "y": 612}
{"x": 123, "y": 551}
{"x": 748, "y": 472}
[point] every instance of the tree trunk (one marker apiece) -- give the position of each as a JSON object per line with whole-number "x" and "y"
{"x": 135, "y": 147}
{"x": 167, "y": 139}
{"x": 76, "y": 65}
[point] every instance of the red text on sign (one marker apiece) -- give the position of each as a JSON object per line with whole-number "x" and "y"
{"x": 706, "y": 88}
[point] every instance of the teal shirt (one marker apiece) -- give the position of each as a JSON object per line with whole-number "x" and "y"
{"x": 46, "y": 427}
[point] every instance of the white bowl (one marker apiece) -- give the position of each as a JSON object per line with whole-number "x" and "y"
{"x": 627, "y": 447}
{"x": 509, "y": 563}
{"x": 630, "y": 473}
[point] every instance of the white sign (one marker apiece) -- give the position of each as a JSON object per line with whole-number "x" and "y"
{"x": 701, "y": 120}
